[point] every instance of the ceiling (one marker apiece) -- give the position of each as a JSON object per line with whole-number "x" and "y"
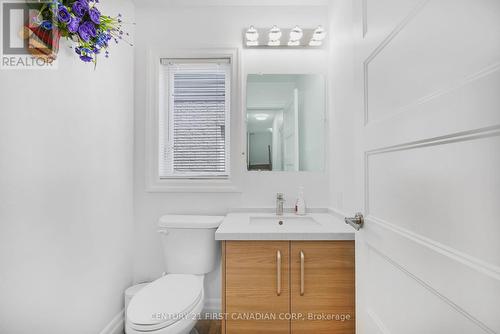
{"x": 212, "y": 3}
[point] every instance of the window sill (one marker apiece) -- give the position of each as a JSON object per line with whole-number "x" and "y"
{"x": 191, "y": 186}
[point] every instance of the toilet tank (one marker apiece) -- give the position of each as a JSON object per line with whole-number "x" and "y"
{"x": 189, "y": 245}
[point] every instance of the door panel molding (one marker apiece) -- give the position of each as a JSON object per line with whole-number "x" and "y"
{"x": 386, "y": 41}
{"x": 378, "y": 324}
{"x": 404, "y": 211}
{"x": 364, "y": 17}
{"x": 453, "y": 86}
{"x": 486, "y": 132}
{"x": 448, "y": 83}
{"x": 430, "y": 263}
{"x": 437, "y": 270}
{"x": 399, "y": 27}
{"x": 473, "y": 106}
{"x": 429, "y": 288}
{"x": 449, "y": 253}
{"x": 419, "y": 253}
{"x": 480, "y": 266}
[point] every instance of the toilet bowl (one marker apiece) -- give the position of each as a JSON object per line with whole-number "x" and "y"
{"x": 168, "y": 305}
{"x": 172, "y": 304}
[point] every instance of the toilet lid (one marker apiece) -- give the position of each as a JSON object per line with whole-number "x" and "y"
{"x": 165, "y": 300}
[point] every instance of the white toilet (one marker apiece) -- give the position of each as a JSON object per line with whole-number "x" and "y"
{"x": 172, "y": 303}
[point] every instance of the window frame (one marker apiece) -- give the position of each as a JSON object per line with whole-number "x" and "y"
{"x": 155, "y": 105}
{"x": 168, "y": 112}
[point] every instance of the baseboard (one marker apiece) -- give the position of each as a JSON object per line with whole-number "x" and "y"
{"x": 116, "y": 325}
{"x": 212, "y": 305}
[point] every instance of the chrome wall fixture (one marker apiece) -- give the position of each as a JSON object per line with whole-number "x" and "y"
{"x": 275, "y": 37}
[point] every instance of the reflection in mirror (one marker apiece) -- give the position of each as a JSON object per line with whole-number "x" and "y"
{"x": 285, "y": 115}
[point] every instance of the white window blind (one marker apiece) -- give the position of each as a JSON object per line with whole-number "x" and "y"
{"x": 195, "y": 122}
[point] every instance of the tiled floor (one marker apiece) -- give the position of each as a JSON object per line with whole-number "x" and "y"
{"x": 208, "y": 327}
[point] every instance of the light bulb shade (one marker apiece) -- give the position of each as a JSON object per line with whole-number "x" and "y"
{"x": 293, "y": 43}
{"x": 274, "y": 34}
{"x": 252, "y": 34}
{"x": 319, "y": 34}
{"x": 314, "y": 42}
{"x": 252, "y": 43}
{"x": 273, "y": 43}
{"x": 295, "y": 34}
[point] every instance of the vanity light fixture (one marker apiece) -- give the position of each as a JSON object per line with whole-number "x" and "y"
{"x": 295, "y": 35}
{"x": 318, "y": 36}
{"x": 315, "y": 43}
{"x": 271, "y": 38}
{"x": 252, "y": 36}
{"x": 274, "y": 36}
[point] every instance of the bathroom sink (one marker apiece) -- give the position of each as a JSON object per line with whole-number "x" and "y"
{"x": 269, "y": 226}
{"x": 285, "y": 221}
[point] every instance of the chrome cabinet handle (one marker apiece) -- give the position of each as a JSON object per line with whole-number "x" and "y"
{"x": 278, "y": 272}
{"x": 302, "y": 259}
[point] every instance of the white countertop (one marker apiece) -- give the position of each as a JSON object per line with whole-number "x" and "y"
{"x": 316, "y": 226}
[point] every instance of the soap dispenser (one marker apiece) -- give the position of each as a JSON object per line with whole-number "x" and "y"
{"x": 300, "y": 205}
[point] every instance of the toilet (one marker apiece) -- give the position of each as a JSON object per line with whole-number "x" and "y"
{"x": 172, "y": 303}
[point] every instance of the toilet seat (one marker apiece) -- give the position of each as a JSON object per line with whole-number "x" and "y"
{"x": 166, "y": 301}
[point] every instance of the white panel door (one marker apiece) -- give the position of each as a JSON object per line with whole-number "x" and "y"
{"x": 428, "y": 256}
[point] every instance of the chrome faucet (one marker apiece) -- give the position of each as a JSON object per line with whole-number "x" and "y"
{"x": 280, "y": 199}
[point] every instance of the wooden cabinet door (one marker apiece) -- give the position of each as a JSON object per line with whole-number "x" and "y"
{"x": 328, "y": 287}
{"x": 251, "y": 273}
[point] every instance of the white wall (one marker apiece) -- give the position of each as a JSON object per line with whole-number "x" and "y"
{"x": 214, "y": 27}
{"x": 312, "y": 122}
{"x": 346, "y": 113}
{"x": 66, "y": 192}
{"x": 269, "y": 94}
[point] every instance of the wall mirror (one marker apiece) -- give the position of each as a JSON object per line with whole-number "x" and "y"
{"x": 285, "y": 118}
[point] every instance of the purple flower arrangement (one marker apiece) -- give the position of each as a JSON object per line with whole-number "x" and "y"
{"x": 81, "y": 22}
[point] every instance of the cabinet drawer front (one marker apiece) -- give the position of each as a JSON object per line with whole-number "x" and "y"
{"x": 254, "y": 299}
{"x": 322, "y": 284}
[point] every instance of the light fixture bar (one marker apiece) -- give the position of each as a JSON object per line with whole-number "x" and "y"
{"x": 297, "y": 37}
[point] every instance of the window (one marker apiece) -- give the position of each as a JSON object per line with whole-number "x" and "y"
{"x": 194, "y": 121}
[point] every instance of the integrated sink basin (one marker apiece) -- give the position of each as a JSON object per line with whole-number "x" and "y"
{"x": 288, "y": 223}
{"x": 269, "y": 226}
{"x": 284, "y": 221}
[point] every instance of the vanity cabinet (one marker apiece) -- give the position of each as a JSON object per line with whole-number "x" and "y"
{"x": 256, "y": 284}
{"x": 288, "y": 287}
